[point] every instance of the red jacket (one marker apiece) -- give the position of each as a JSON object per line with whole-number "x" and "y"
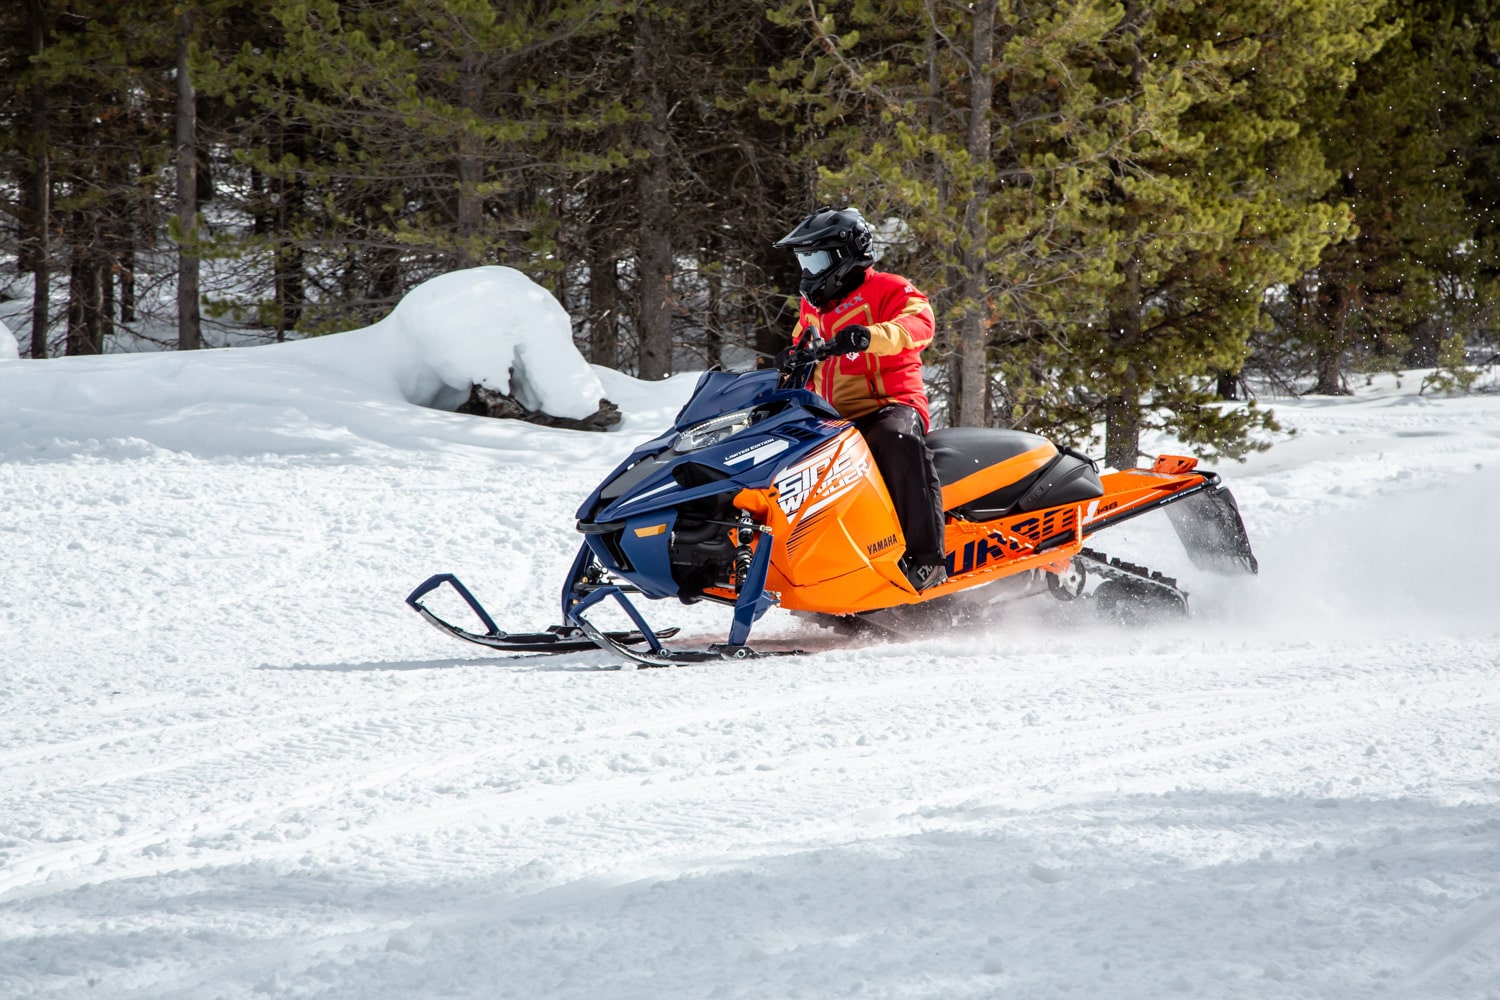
{"x": 901, "y": 324}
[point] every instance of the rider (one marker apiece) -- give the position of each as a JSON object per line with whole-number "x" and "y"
{"x": 880, "y": 323}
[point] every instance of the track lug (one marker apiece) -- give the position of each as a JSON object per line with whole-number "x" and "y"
{"x": 1131, "y": 593}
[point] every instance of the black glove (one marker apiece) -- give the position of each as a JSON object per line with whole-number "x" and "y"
{"x": 783, "y": 359}
{"x": 850, "y": 340}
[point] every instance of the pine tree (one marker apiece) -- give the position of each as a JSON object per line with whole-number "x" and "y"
{"x": 1144, "y": 180}
{"x": 739, "y": 182}
{"x": 106, "y": 79}
{"x": 1407, "y": 141}
{"x": 25, "y": 153}
{"x": 1215, "y": 198}
{"x": 678, "y": 244}
{"x": 393, "y": 139}
{"x": 1481, "y": 160}
{"x": 944, "y": 116}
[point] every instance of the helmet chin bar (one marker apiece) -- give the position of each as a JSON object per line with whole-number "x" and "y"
{"x": 823, "y": 290}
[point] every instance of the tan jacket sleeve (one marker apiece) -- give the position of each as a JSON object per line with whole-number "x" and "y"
{"x": 910, "y": 329}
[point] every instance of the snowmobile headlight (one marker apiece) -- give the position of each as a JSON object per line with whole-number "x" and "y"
{"x": 713, "y": 431}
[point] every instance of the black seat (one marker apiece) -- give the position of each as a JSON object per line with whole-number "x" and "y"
{"x": 962, "y": 451}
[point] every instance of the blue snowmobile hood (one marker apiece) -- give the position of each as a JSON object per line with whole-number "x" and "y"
{"x": 665, "y": 472}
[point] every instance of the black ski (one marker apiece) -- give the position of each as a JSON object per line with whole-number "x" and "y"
{"x": 556, "y": 639}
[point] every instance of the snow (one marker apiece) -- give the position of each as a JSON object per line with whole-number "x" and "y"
{"x": 475, "y": 326}
{"x": 9, "y": 349}
{"x": 234, "y": 764}
{"x": 328, "y": 395}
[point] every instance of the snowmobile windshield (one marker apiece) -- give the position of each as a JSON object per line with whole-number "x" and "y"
{"x": 814, "y": 262}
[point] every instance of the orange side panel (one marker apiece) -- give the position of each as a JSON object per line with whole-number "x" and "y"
{"x": 861, "y": 590}
{"x": 837, "y": 544}
{"x": 1131, "y": 488}
{"x": 833, "y": 523}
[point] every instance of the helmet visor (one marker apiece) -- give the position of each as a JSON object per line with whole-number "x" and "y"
{"x": 814, "y": 262}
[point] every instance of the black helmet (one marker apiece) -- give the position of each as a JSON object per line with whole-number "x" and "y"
{"x": 834, "y": 246}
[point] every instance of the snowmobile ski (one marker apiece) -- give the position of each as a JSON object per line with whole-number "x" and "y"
{"x": 556, "y": 638}
{"x": 585, "y": 591}
{"x": 661, "y": 656}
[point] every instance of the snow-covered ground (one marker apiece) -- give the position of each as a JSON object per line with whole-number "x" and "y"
{"x": 234, "y": 764}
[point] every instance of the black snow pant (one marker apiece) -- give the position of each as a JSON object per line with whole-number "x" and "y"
{"x": 898, "y": 443}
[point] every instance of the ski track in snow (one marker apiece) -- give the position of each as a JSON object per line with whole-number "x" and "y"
{"x": 233, "y": 764}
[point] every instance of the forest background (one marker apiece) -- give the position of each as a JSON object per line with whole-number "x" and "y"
{"x": 1124, "y": 212}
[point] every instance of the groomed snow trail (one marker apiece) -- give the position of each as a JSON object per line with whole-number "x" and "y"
{"x": 233, "y": 764}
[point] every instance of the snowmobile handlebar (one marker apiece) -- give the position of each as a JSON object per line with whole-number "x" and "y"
{"x": 796, "y": 363}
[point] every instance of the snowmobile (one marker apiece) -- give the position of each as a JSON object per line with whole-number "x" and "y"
{"x": 761, "y": 495}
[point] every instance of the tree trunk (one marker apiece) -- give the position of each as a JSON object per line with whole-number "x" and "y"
{"x": 1228, "y": 386}
{"x": 385, "y": 284}
{"x": 1330, "y": 368}
{"x": 973, "y": 330}
{"x": 945, "y": 338}
{"x": 602, "y": 253}
{"x": 1122, "y": 412}
{"x": 1122, "y": 425}
{"x": 470, "y": 165}
{"x": 107, "y": 303}
{"x": 39, "y": 251}
{"x": 771, "y": 275}
{"x": 288, "y": 280}
{"x": 189, "y": 327}
{"x": 653, "y": 177}
{"x": 1333, "y": 314}
{"x": 87, "y": 275}
{"x": 1122, "y": 409}
{"x": 260, "y": 217}
{"x": 290, "y": 289}
{"x": 604, "y": 308}
{"x": 713, "y": 333}
{"x": 127, "y": 284}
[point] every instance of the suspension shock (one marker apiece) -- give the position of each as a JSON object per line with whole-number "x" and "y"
{"x": 742, "y": 553}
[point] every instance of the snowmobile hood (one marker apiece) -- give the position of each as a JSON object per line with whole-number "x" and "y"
{"x": 736, "y": 432}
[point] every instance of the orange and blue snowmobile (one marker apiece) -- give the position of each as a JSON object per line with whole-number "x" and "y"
{"x": 761, "y": 495}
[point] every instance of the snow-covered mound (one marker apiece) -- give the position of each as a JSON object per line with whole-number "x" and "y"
{"x": 481, "y": 325}
{"x": 8, "y": 349}
{"x": 488, "y": 325}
